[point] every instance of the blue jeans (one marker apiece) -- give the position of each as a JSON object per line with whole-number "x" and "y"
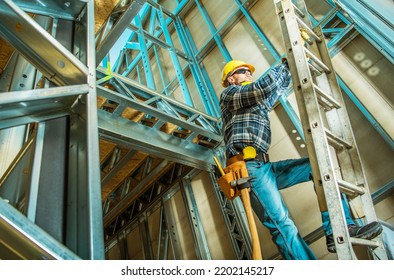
{"x": 267, "y": 203}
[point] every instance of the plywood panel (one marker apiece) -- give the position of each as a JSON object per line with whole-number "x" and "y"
{"x": 126, "y": 170}
{"x": 102, "y": 9}
{"x": 114, "y": 253}
{"x": 106, "y": 149}
{"x": 183, "y": 235}
{"x": 366, "y": 93}
{"x": 385, "y": 210}
{"x": 198, "y": 29}
{"x": 219, "y": 11}
{"x": 5, "y": 53}
{"x": 134, "y": 244}
{"x": 214, "y": 63}
{"x": 212, "y": 218}
{"x": 241, "y": 45}
{"x": 265, "y": 15}
{"x": 154, "y": 224}
{"x": 378, "y": 162}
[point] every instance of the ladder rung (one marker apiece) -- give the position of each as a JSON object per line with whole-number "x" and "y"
{"x": 336, "y": 141}
{"x": 350, "y": 188}
{"x": 314, "y": 68}
{"x": 336, "y": 132}
{"x": 317, "y": 61}
{"x": 364, "y": 242}
{"x": 328, "y": 100}
{"x": 310, "y": 31}
{"x": 298, "y": 11}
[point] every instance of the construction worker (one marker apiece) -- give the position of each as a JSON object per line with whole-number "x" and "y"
{"x": 245, "y": 107}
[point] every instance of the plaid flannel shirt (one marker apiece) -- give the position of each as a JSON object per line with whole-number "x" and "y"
{"x": 245, "y": 110}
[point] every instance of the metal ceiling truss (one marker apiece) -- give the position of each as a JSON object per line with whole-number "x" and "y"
{"x": 150, "y": 34}
{"x": 138, "y": 119}
{"x": 113, "y": 27}
{"x": 54, "y": 60}
{"x": 122, "y": 97}
{"x": 137, "y": 210}
{"x": 341, "y": 29}
{"x": 145, "y": 184}
{"x": 374, "y": 22}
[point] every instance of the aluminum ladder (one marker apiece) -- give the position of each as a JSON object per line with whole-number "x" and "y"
{"x": 332, "y": 149}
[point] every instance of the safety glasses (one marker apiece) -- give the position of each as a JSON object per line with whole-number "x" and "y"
{"x": 241, "y": 71}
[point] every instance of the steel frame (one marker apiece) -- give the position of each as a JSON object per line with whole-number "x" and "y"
{"x": 129, "y": 81}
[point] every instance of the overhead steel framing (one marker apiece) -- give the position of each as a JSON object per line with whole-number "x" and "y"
{"x": 61, "y": 194}
{"x": 130, "y": 44}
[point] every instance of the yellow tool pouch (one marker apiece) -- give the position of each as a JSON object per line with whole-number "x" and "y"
{"x": 235, "y": 178}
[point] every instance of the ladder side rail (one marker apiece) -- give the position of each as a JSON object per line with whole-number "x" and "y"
{"x": 349, "y": 159}
{"x": 336, "y": 119}
{"x": 300, "y": 5}
{"x": 352, "y": 169}
{"x": 313, "y": 126}
{"x": 302, "y": 111}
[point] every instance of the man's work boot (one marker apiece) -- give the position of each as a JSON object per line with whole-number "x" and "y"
{"x": 368, "y": 231}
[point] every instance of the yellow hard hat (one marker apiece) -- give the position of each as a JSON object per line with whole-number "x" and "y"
{"x": 231, "y": 66}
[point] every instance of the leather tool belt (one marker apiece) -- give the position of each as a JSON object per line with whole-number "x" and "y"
{"x": 263, "y": 157}
{"x": 236, "y": 175}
